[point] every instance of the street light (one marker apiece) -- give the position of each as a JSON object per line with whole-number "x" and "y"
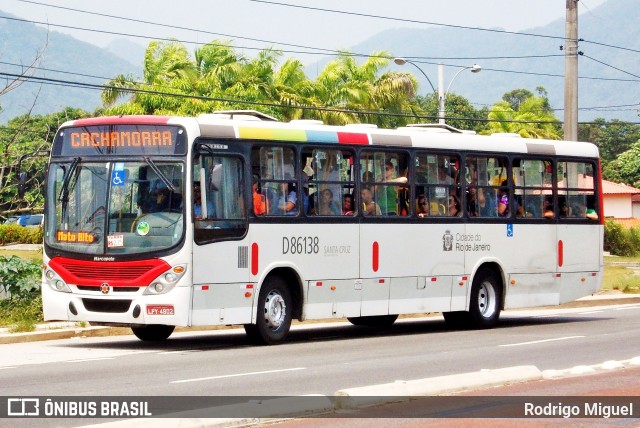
{"x": 442, "y": 94}
{"x": 475, "y": 68}
{"x": 402, "y": 61}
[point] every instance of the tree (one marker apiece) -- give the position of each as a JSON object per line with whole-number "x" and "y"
{"x": 625, "y": 168}
{"x": 459, "y": 112}
{"x": 24, "y": 144}
{"x": 612, "y": 138}
{"x": 533, "y": 117}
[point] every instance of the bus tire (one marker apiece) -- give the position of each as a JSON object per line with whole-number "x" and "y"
{"x": 274, "y": 316}
{"x": 153, "y": 332}
{"x": 485, "y": 300}
{"x": 377, "y": 321}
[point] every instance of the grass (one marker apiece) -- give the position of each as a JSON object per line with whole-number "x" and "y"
{"x": 21, "y": 315}
{"x": 620, "y": 277}
{"x": 33, "y": 256}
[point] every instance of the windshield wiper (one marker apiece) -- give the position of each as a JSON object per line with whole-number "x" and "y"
{"x": 159, "y": 173}
{"x": 64, "y": 193}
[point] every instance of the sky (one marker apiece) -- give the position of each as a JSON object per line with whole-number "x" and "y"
{"x": 278, "y": 22}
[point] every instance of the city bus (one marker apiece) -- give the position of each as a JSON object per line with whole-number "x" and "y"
{"x": 236, "y": 218}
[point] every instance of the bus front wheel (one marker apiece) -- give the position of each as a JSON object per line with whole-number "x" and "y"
{"x": 273, "y": 320}
{"x": 153, "y": 332}
{"x": 486, "y": 300}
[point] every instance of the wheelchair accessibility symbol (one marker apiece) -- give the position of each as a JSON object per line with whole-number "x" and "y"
{"x": 118, "y": 178}
{"x": 509, "y": 230}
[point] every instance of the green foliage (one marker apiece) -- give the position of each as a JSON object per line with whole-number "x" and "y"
{"x": 620, "y": 241}
{"x": 24, "y": 144}
{"x": 21, "y": 314}
{"x": 19, "y": 278}
{"x": 626, "y": 167}
{"x": 612, "y": 138}
{"x": 532, "y": 116}
{"x": 12, "y": 233}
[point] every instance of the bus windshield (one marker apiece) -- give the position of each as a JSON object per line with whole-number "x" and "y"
{"x": 115, "y": 208}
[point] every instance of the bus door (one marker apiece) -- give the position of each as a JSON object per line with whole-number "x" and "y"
{"x": 223, "y": 289}
{"x": 579, "y": 232}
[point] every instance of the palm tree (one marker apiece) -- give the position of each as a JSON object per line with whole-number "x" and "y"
{"x": 533, "y": 119}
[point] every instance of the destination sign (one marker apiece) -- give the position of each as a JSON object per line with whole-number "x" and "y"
{"x": 122, "y": 139}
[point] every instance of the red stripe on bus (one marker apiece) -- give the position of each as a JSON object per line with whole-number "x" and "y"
{"x": 600, "y": 195}
{"x": 352, "y": 138}
{"x": 123, "y": 120}
{"x": 376, "y": 256}
{"x": 254, "y": 259}
{"x": 560, "y": 253}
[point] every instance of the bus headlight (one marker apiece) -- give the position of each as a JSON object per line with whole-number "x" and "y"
{"x": 166, "y": 281}
{"x": 59, "y": 285}
{"x": 55, "y": 283}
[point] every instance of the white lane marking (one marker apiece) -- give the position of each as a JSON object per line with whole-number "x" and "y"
{"x": 88, "y": 359}
{"x": 589, "y": 312}
{"x": 542, "y": 341}
{"x": 625, "y": 308}
{"x": 237, "y": 375}
{"x": 7, "y": 367}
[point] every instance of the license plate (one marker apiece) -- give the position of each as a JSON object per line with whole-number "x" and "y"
{"x": 160, "y": 310}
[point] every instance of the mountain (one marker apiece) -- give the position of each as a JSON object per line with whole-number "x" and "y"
{"x": 607, "y": 68}
{"x": 127, "y": 50}
{"x": 610, "y": 34}
{"x": 64, "y": 60}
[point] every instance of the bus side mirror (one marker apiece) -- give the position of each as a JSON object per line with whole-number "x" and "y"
{"x": 22, "y": 182}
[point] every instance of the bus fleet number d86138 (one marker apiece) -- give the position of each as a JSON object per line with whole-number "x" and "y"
{"x": 300, "y": 245}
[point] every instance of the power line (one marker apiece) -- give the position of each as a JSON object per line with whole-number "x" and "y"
{"x": 411, "y": 21}
{"x": 611, "y": 66}
{"x": 324, "y": 51}
{"x": 66, "y": 83}
{"x": 315, "y": 51}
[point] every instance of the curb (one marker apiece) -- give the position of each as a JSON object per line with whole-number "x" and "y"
{"x": 259, "y": 412}
{"x": 404, "y": 390}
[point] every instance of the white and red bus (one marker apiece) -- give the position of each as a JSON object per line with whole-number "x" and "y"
{"x": 236, "y": 218}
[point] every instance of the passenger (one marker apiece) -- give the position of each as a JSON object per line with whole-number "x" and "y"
{"x": 369, "y": 205}
{"x": 389, "y": 202}
{"x": 592, "y": 214}
{"x": 455, "y": 210}
{"x": 327, "y": 206}
{"x": 347, "y": 204}
{"x": 197, "y": 203}
{"x": 422, "y": 207}
{"x": 503, "y": 200}
{"x": 287, "y": 200}
{"x": 259, "y": 201}
{"x": 548, "y": 209}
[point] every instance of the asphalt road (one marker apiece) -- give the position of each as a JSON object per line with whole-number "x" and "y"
{"x": 318, "y": 358}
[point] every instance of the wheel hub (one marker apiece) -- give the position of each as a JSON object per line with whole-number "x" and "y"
{"x": 487, "y": 300}
{"x": 275, "y": 310}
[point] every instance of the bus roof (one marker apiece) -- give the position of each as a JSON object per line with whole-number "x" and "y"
{"x": 253, "y": 125}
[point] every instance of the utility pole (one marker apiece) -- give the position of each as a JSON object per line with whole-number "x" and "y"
{"x": 571, "y": 72}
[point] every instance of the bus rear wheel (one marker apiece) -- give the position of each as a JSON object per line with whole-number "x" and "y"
{"x": 153, "y": 332}
{"x": 485, "y": 303}
{"x": 378, "y": 321}
{"x": 273, "y": 320}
